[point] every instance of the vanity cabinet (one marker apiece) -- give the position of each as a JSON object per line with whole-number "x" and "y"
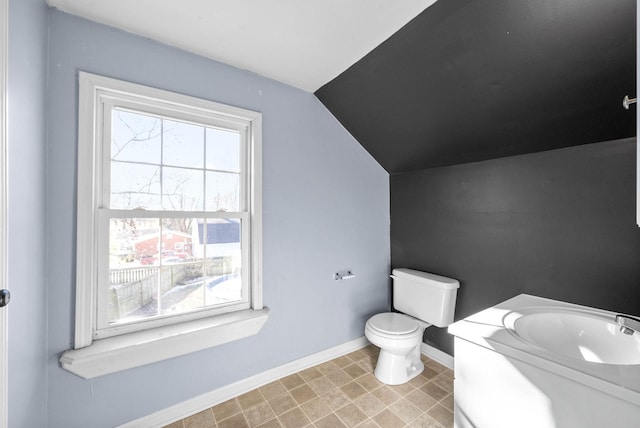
{"x": 501, "y": 381}
{"x": 492, "y": 390}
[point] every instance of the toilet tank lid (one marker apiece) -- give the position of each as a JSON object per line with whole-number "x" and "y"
{"x": 425, "y": 277}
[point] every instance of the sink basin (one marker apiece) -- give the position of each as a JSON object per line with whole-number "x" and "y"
{"x": 585, "y": 336}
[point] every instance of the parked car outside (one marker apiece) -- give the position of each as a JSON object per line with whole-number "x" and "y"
{"x": 148, "y": 260}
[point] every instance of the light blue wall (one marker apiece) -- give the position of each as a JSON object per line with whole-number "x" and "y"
{"x": 26, "y": 208}
{"x": 326, "y": 208}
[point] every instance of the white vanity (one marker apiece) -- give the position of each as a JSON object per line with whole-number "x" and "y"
{"x": 539, "y": 363}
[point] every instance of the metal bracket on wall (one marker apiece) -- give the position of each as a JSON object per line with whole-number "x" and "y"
{"x": 345, "y": 274}
{"x": 626, "y": 102}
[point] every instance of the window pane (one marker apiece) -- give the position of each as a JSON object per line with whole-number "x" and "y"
{"x": 135, "y": 137}
{"x": 133, "y": 268}
{"x": 155, "y": 267}
{"x": 223, "y": 191}
{"x": 223, "y": 150}
{"x": 217, "y": 244}
{"x": 183, "y": 144}
{"x": 182, "y": 189}
{"x": 135, "y": 186}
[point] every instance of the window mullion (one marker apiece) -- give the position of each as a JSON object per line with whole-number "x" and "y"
{"x": 173, "y": 214}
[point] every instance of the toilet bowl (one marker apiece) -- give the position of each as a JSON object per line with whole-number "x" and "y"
{"x": 399, "y": 337}
{"x": 421, "y": 299}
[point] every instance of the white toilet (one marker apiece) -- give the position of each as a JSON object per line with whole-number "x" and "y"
{"x": 424, "y": 299}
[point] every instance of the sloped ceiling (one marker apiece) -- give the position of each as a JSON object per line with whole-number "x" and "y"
{"x": 471, "y": 80}
{"x": 463, "y": 81}
{"x": 302, "y": 43}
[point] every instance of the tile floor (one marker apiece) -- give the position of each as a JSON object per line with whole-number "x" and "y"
{"x": 339, "y": 393}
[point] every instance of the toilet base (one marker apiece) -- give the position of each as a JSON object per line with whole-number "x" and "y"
{"x": 393, "y": 369}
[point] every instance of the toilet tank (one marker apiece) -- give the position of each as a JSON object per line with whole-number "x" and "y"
{"x": 426, "y": 296}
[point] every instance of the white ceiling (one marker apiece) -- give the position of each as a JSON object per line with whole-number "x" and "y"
{"x": 304, "y": 43}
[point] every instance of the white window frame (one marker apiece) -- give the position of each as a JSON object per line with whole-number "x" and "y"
{"x": 100, "y": 351}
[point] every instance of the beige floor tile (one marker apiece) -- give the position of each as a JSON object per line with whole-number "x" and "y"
{"x": 331, "y": 421}
{"x": 405, "y": 410}
{"x": 354, "y": 370}
{"x": 321, "y": 385}
{"x": 388, "y": 419}
{"x": 310, "y": 374}
{"x": 226, "y": 410}
{"x": 339, "y": 378}
{"x": 336, "y": 399}
{"x": 338, "y": 393}
{"x": 369, "y": 382}
{"x": 418, "y": 381}
{"x": 435, "y": 365}
{"x": 326, "y": 368}
{"x": 292, "y": 381}
{"x": 369, "y": 404}
{"x": 259, "y": 414}
{"x": 302, "y": 394}
{"x": 369, "y": 423}
{"x": 357, "y": 355}
{"x": 441, "y": 414}
{"x": 203, "y": 419}
{"x": 250, "y": 399}
{"x": 421, "y": 400}
{"x": 403, "y": 389}
{"x": 433, "y": 390}
{"x": 448, "y": 402}
{"x": 353, "y": 390}
{"x": 274, "y": 423}
{"x": 237, "y": 421}
{"x": 343, "y": 361}
{"x": 371, "y": 350}
{"x": 272, "y": 389}
{"x": 282, "y": 403}
{"x": 294, "y": 419}
{"x": 316, "y": 409}
{"x": 444, "y": 381}
{"x": 368, "y": 365}
{"x": 351, "y": 415}
{"x": 428, "y": 372}
{"x": 386, "y": 395}
{"x": 424, "y": 421}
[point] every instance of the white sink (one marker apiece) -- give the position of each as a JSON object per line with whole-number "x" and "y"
{"x": 574, "y": 334}
{"x": 536, "y": 362}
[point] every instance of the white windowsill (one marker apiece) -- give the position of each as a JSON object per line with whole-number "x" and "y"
{"x": 118, "y": 353}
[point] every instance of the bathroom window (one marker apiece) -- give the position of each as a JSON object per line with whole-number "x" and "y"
{"x": 169, "y": 227}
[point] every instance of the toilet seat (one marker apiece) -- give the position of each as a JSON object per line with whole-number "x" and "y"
{"x": 393, "y": 323}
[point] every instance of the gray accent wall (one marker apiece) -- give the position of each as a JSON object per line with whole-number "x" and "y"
{"x": 469, "y": 80}
{"x": 557, "y": 224}
{"x": 26, "y": 212}
{"x": 326, "y": 208}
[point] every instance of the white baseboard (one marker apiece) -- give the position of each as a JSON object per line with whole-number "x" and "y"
{"x": 210, "y": 399}
{"x": 437, "y": 355}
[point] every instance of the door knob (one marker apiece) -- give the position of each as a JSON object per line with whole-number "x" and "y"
{"x": 5, "y": 296}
